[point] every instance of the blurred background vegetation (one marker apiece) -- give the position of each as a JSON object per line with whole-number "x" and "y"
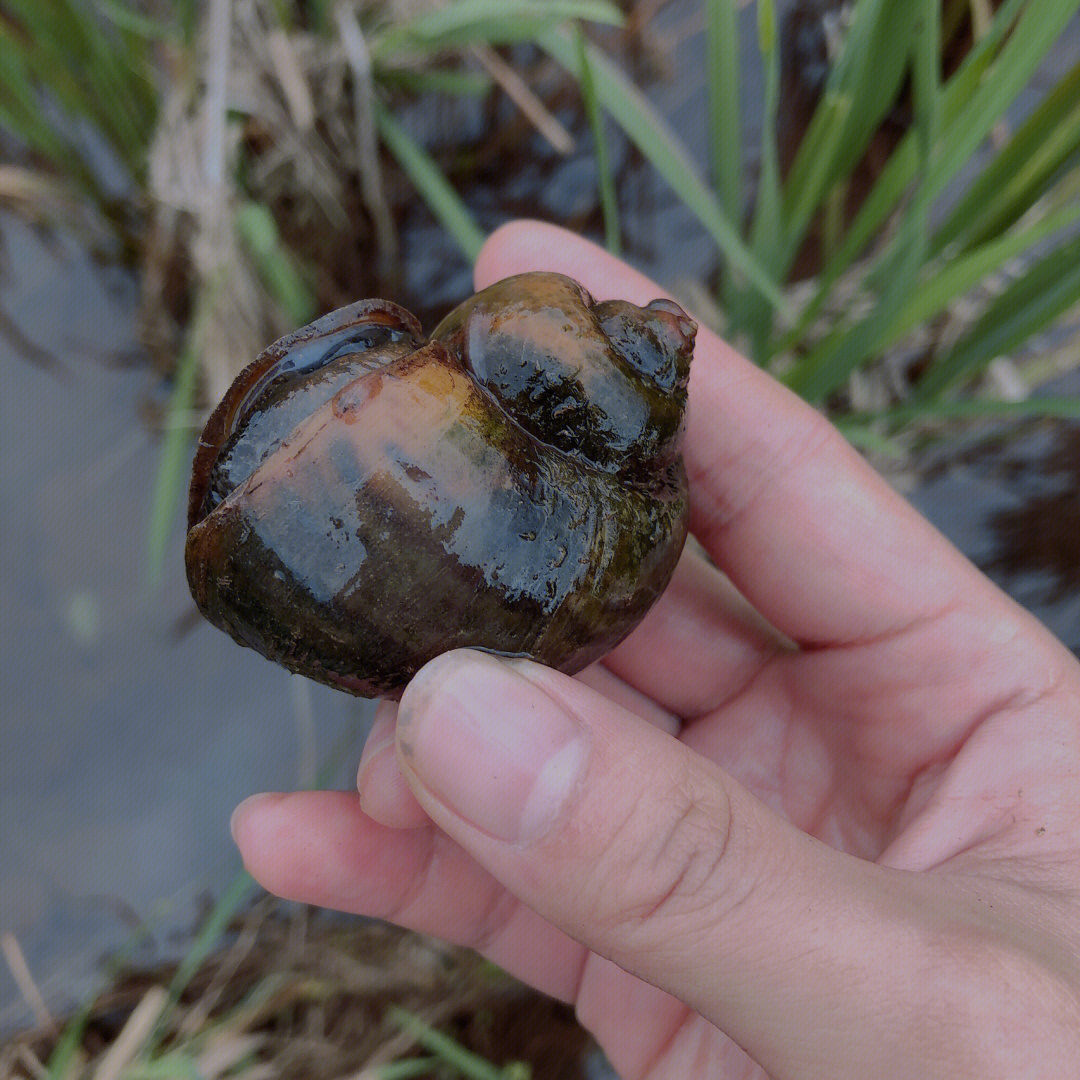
{"x": 897, "y": 242}
{"x": 900, "y": 244}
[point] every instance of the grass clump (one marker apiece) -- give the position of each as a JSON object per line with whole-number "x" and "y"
{"x": 265, "y": 168}
{"x": 265, "y": 992}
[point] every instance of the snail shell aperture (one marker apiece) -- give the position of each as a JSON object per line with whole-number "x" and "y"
{"x": 363, "y": 500}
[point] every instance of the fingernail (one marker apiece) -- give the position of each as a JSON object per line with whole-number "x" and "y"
{"x": 248, "y": 807}
{"x": 490, "y": 745}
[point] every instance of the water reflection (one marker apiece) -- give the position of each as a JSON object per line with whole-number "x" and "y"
{"x": 125, "y": 744}
{"x": 1011, "y": 502}
{"x": 1041, "y": 536}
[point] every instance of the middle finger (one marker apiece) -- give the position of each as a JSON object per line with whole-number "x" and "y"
{"x": 699, "y": 646}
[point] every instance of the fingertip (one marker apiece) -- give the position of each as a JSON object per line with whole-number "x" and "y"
{"x": 521, "y": 246}
{"x": 509, "y": 249}
{"x": 245, "y": 818}
{"x": 385, "y": 796}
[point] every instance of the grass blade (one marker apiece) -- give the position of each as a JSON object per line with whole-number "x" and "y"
{"x": 832, "y": 362}
{"x": 207, "y": 939}
{"x": 722, "y": 87}
{"x": 175, "y": 456}
{"x": 866, "y": 437}
{"x": 648, "y": 131}
{"x": 1021, "y": 171}
{"x": 1039, "y": 27}
{"x": 765, "y": 231}
{"x": 608, "y": 198}
{"x": 21, "y": 114}
{"x": 860, "y": 90}
{"x": 1027, "y": 307}
{"x": 436, "y": 81}
{"x": 1048, "y": 406}
{"x": 258, "y": 231}
{"x": 127, "y": 19}
{"x": 60, "y": 1063}
{"x": 443, "y": 201}
{"x": 490, "y": 21}
{"x": 958, "y": 276}
{"x": 72, "y": 55}
{"x": 103, "y": 78}
{"x": 801, "y": 202}
{"x": 967, "y": 88}
{"x": 766, "y": 241}
{"x": 405, "y": 1069}
{"x": 445, "y": 1048}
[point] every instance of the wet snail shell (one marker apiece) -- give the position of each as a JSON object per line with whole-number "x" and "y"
{"x": 363, "y": 500}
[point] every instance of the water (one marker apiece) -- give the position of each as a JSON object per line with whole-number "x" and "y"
{"x": 1010, "y": 500}
{"x": 130, "y": 729}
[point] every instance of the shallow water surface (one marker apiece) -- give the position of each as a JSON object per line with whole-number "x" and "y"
{"x": 130, "y": 729}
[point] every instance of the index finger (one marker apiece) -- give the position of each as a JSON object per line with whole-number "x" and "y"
{"x": 806, "y": 529}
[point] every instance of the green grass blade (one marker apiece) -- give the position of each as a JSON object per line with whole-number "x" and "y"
{"x": 1025, "y": 308}
{"x": 969, "y": 84}
{"x": 275, "y": 263}
{"x": 101, "y": 77}
{"x": 1050, "y": 407}
{"x": 958, "y": 276}
{"x": 490, "y": 21}
{"x": 1035, "y": 34}
{"x": 206, "y": 940}
{"x": 804, "y": 200}
{"x": 765, "y": 230}
{"x": 866, "y": 437}
{"x": 443, "y": 201}
{"x": 60, "y": 1062}
{"x": 407, "y": 1069}
{"x": 124, "y": 17}
{"x": 73, "y": 56}
{"x": 455, "y": 82}
{"x": 832, "y": 362}
{"x": 647, "y": 130}
{"x": 21, "y": 114}
{"x": 926, "y": 91}
{"x": 175, "y": 1065}
{"x": 445, "y": 1048}
{"x": 725, "y": 121}
{"x": 766, "y": 240}
{"x": 1021, "y": 171}
{"x": 173, "y": 467}
{"x": 608, "y": 199}
{"x": 860, "y": 90}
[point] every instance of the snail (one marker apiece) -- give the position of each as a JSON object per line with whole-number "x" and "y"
{"x": 363, "y": 499}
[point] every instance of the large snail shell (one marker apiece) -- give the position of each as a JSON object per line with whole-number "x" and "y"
{"x": 363, "y": 501}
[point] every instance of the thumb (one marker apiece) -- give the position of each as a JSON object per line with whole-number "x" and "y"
{"x": 651, "y": 855}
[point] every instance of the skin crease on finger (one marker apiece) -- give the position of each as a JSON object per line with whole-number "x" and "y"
{"x": 934, "y": 728}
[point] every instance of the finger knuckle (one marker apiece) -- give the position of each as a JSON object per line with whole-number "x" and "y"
{"x": 665, "y": 861}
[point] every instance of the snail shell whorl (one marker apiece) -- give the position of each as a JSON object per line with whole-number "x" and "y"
{"x": 513, "y": 485}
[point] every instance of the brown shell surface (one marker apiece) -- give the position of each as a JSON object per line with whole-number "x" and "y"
{"x": 362, "y": 500}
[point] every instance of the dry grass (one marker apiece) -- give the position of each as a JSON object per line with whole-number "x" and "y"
{"x": 297, "y": 996}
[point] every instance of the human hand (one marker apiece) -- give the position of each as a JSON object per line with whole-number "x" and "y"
{"x": 859, "y": 858}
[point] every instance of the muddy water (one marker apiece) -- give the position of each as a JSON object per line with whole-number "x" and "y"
{"x": 130, "y": 730}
